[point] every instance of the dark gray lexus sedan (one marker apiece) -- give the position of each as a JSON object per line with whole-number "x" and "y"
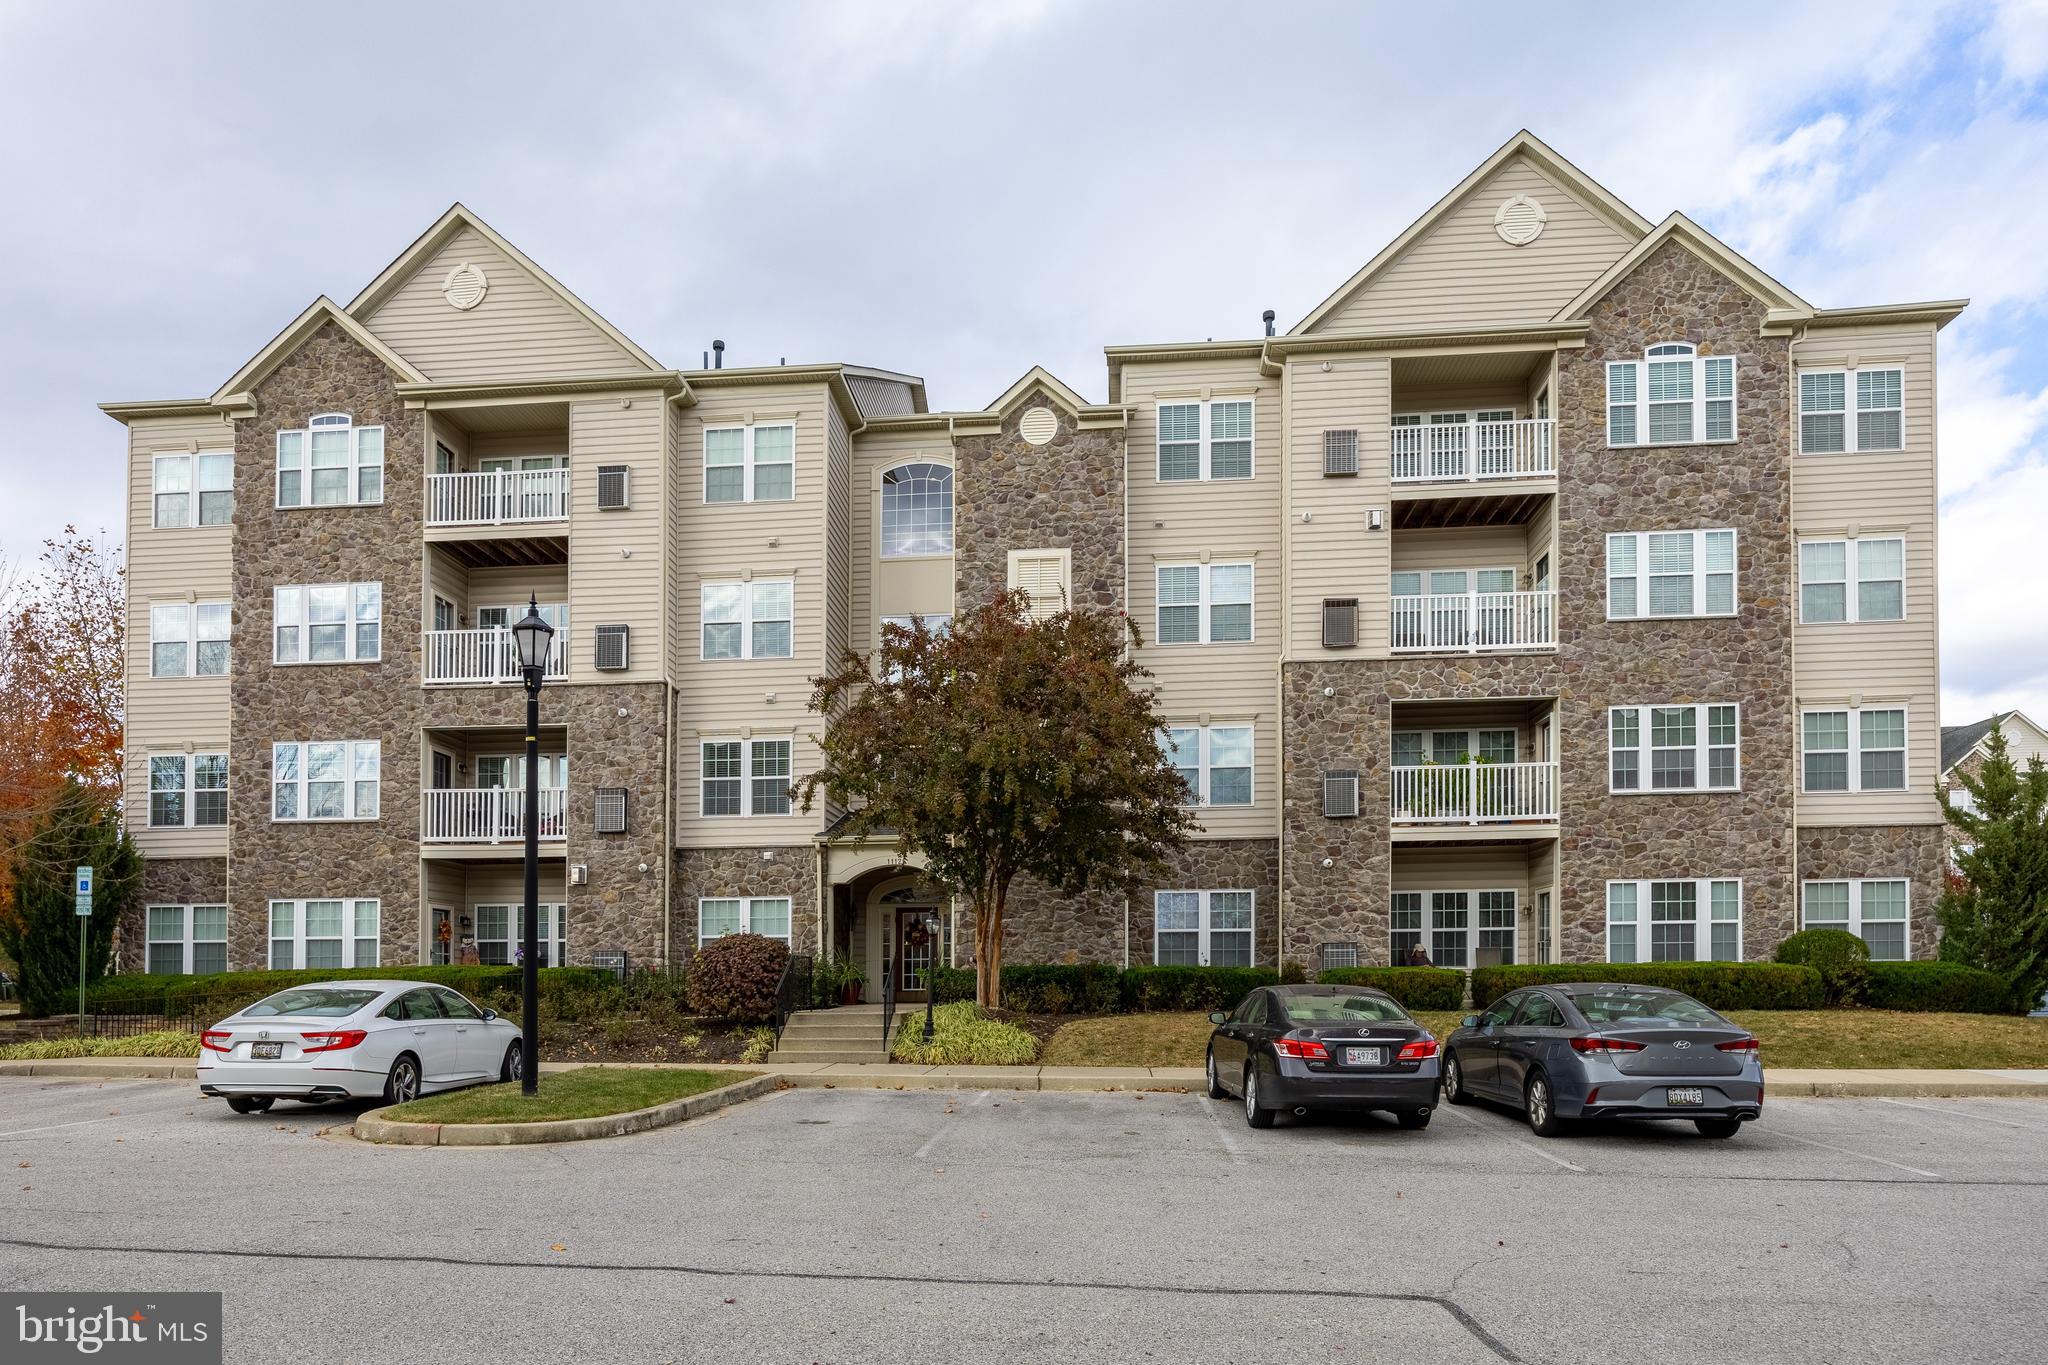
{"x": 1590, "y": 1050}
{"x": 1323, "y": 1047}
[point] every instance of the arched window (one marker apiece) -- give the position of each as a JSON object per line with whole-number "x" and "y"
{"x": 917, "y": 510}
{"x": 1672, "y": 396}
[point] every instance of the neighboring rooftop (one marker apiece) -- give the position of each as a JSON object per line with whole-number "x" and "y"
{"x": 1958, "y": 740}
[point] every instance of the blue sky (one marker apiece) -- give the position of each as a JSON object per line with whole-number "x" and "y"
{"x": 965, "y": 190}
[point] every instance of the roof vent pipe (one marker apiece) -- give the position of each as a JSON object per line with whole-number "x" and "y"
{"x": 1268, "y": 318}
{"x": 707, "y": 361}
{"x": 717, "y": 355}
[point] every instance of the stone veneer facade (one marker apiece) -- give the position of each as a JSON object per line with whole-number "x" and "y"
{"x": 756, "y": 870}
{"x": 1860, "y": 852}
{"x": 168, "y": 881}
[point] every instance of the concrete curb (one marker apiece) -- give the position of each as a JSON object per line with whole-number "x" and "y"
{"x": 370, "y": 1128}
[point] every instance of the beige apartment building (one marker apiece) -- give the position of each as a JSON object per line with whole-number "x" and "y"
{"x": 1561, "y": 588}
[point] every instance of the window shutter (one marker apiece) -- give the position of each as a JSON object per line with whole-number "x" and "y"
{"x": 1340, "y": 622}
{"x": 1340, "y": 453}
{"x": 611, "y": 810}
{"x": 613, "y": 487}
{"x": 614, "y": 648}
{"x": 1043, "y": 577}
{"x": 1340, "y": 793}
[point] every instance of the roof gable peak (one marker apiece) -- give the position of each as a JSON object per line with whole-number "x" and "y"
{"x": 1785, "y": 305}
{"x": 318, "y": 313}
{"x": 1040, "y": 377}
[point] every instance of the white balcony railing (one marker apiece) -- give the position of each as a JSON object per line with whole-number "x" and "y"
{"x": 497, "y": 497}
{"x": 1473, "y": 622}
{"x": 1474, "y": 793}
{"x": 486, "y": 815}
{"x": 482, "y": 656}
{"x": 1468, "y": 451}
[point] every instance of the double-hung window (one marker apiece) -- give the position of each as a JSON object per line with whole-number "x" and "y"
{"x": 1672, "y": 396}
{"x": 328, "y": 623}
{"x": 331, "y": 462}
{"x": 1670, "y": 573}
{"x": 750, "y": 464}
{"x": 745, "y": 776}
{"x": 323, "y": 934}
{"x": 1852, "y": 580}
{"x": 1209, "y": 439}
{"x": 1214, "y": 760}
{"x": 1202, "y": 928}
{"x": 188, "y": 791}
{"x": 747, "y": 620}
{"x": 498, "y": 938}
{"x": 188, "y": 639}
{"x": 1679, "y": 748}
{"x": 1854, "y": 749}
{"x": 1828, "y": 425}
{"x": 186, "y": 939}
{"x": 180, "y": 481}
{"x": 1691, "y": 920}
{"x": 334, "y": 780}
{"x": 1873, "y": 909}
{"x": 767, "y": 916}
{"x": 1207, "y": 604}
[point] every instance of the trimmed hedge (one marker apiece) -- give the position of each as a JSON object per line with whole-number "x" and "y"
{"x": 137, "y": 993}
{"x": 1143, "y": 989}
{"x": 1946, "y": 986}
{"x": 1839, "y": 956}
{"x": 1040, "y": 987}
{"x": 1417, "y": 988}
{"x": 1717, "y": 985}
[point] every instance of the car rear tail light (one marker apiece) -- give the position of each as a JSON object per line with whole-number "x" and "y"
{"x": 1303, "y": 1048}
{"x": 1596, "y": 1044}
{"x": 206, "y": 1040}
{"x": 1416, "y": 1051}
{"x": 1738, "y": 1045}
{"x": 333, "y": 1042}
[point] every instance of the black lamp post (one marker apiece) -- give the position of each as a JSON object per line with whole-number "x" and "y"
{"x": 931, "y": 968}
{"x": 532, "y": 637}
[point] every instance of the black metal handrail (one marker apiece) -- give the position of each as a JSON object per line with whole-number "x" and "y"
{"x": 792, "y": 991}
{"x": 888, "y": 1007}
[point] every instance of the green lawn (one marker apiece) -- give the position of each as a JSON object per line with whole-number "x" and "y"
{"x": 586, "y": 1093}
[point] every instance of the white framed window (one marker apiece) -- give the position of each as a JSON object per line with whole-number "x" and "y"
{"x": 1205, "y": 604}
{"x": 331, "y": 780}
{"x": 316, "y": 934}
{"x": 1674, "y": 748}
{"x": 1825, "y": 417}
{"x": 1670, "y": 573}
{"x": 1205, "y": 439}
{"x": 330, "y": 462}
{"x": 718, "y": 916}
{"x": 1202, "y": 928}
{"x": 499, "y": 934}
{"x": 1682, "y": 920}
{"x": 327, "y": 623}
{"x": 1874, "y": 566}
{"x": 189, "y": 639}
{"x": 1872, "y": 908}
{"x": 745, "y": 776}
{"x": 750, "y": 463}
{"x": 1672, "y": 396}
{"x": 1044, "y": 576}
{"x": 1415, "y": 748}
{"x": 178, "y": 482}
{"x": 186, "y": 940}
{"x": 937, "y": 622}
{"x": 747, "y": 620}
{"x": 1404, "y": 923}
{"x": 188, "y": 791}
{"x": 917, "y": 510}
{"x": 1214, "y": 760}
{"x": 1853, "y": 749}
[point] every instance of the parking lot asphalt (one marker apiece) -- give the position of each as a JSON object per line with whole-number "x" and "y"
{"x": 843, "y": 1225}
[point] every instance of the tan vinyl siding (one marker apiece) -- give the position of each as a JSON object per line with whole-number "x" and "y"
{"x": 1542, "y": 877}
{"x": 1478, "y": 547}
{"x": 521, "y": 328}
{"x": 1462, "y": 272}
{"x": 1875, "y": 494}
{"x": 878, "y": 587}
{"x": 839, "y": 506}
{"x": 615, "y": 559}
{"x": 1468, "y": 867}
{"x": 1466, "y": 398}
{"x": 1332, "y": 554}
{"x": 511, "y": 587}
{"x": 1232, "y": 521}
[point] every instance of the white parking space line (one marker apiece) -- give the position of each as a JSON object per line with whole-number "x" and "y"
{"x": 931, "y": 1141}
{"x": 1222, "y": 1133}
{"x": 1778, "y": 1131}
{"x": 1963, "y": 1114}
{"x": 1513, "y": 1141}
{"x": 53, "y": 1127}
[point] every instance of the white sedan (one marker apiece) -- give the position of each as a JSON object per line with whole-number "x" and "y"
{"x": 355, "y": 1040}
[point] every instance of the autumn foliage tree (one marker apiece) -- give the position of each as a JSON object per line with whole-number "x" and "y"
{"x": 1003, "y": 748}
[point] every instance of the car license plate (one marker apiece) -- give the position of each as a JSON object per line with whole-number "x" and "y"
{"x": 271, "y": 1051}
{"x": 1365, "y": 1056}
{"x": 1684, "y": 1094}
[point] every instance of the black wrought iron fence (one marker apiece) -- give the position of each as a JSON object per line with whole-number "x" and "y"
{"x": 793, "y": 990}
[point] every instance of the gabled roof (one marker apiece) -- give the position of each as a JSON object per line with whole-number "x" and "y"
{"x": 1958, "y": 742}
{"x": 434, "y": 238}
{"x": 321, "y": 311}
{"x": 1040, "y": 377}
{"x": 1523, "y": 144}
{"x": 1702, "y": 243}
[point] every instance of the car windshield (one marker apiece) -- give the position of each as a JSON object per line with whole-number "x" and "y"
{"x": 327, "y": 1002}
{"x": 1626, "y": 1007}
{"x": 1341, "y": 1009}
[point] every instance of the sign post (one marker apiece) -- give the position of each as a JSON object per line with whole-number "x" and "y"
{"x": 83, "y": 907}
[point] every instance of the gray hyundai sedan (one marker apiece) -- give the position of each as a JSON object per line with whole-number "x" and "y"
{"x": 1592, "y": 1050}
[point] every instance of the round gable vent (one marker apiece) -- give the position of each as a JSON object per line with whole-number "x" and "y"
{"x": 1038, "y": 426}
{"x": 1520, "y": 220}
{"x": 465, "y": 286}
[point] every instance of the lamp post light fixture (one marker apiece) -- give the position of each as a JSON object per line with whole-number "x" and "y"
{"x": 533, "y": 637}
{"x": 931, "y": 966}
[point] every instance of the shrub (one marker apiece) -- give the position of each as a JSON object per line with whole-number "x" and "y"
{"x": 1190, "y": 988}
{"x": 1292, "y": 973}
{"x": 1838, "y": 955}
{"x": 760, "y": 1042}
{"x": 735, "y": 977}
{"x": 168, "y": 1043}
{"x": 1938, "y": 986}
{"x": 962, "y": 1035}
{"x": 1717, "y": 985}
{"x": 954, "y": 983}
{"x": 1059, "y": 988}
{"x": 1417, "y": 988}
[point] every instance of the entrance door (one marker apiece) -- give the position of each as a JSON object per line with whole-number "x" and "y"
{"x": 443, "y": 936}
{"x": 915, "y": 946}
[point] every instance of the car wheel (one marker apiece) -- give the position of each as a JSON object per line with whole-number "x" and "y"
{"x": 1454, "y": 1080}
{"x": 1256, "y": 1114}
{"x": 514, "y": 1065}
{"x": 1718, "y": 1128}
{"x": 403, "y": 1084}
{"x": 249, "y": 1104}
{"x": 1216, "y": 1090}
{"x": 1412, "y": 1119}
{"x": 1541, "y": 1106}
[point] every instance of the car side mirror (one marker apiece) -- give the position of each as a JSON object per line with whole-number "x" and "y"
{"x": 1471, "y": 1021}
{"x": 1217, "y": 1017}
{"x": 490, "y": 1015}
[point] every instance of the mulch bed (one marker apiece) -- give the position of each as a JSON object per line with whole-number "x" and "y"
{"x": 644, "y": 1042}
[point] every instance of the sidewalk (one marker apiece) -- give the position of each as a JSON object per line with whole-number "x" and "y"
{"x": 1785, "y": 1082}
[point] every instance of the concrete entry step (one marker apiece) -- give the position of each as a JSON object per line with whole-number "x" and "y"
{"x": 820, "y": 1033}
{"x": 811, "y": 1054}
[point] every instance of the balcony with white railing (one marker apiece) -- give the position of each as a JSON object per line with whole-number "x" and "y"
{"x": 1472, "y": 622}
{"x": 1475, "y": 452}
{"x": 483, "y": 656}
{"x": 506, "y": 497}
{"x": 487, "y": 815}
{"x": 1474, "y": 793}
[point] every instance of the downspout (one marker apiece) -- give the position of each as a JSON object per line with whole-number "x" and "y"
{"x": 1791, "y": 597}
{"x": 1280, "y": 672}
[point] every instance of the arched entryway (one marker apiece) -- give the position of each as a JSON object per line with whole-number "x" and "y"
{"x": 882, "y": 919}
